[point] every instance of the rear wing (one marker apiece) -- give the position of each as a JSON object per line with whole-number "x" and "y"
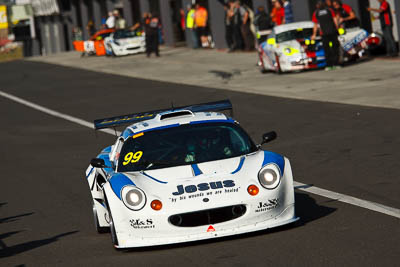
{"x": 137, "y": 117}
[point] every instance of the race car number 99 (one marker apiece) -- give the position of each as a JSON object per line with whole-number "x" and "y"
{"x": 132, "y": 158}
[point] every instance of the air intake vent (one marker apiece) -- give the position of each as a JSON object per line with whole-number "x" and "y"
{"x": 176, "y": 114}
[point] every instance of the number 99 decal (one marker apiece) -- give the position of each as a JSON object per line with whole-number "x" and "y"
{"x": 132, "y": 158}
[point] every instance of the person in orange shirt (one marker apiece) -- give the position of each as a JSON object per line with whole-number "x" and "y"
{"x": 278, "y": 13}
{"x": 200, "y": 19}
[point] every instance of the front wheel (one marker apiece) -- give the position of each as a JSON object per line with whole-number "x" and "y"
{"x": 99, "y": 228}
{"x": 114, "y": 237}
{"x": 278, "y": 65}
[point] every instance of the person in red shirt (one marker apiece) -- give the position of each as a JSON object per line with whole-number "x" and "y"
{"x": 278, "y": 13}
{"x": 345, "y": 15}
{"x": 385, "y": 17}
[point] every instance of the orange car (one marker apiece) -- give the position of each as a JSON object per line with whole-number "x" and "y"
{"x": 95, "y": 45}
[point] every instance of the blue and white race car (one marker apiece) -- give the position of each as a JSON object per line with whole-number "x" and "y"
{"x": 289, "y": 47}
{"x": 186, "y": 174}
{"x": 125, "y": 42}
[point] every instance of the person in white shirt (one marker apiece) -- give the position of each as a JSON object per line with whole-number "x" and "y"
{"x": 110, "y": 22}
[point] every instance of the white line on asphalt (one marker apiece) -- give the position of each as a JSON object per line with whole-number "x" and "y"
{"x": 348, "y": 199}
{"x": 55, "y": 113}
{"x": 299, "y": 186}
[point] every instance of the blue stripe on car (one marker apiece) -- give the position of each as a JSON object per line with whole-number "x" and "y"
{"x": 240, "y": 165}
{"x": 196, "y": 170}
{"x": 207, "y": 121}
{"x": 128, "y": 132}
{"x": 101, "y": 203}
{"x": 271, "y": 157}
{"x": 118, "y": 181}
{"x": 177, "y": 124}
{"x": 87, "y": 176}
{"x": 106, "y": 150}
{"x": 161, "y": 182}
{"x": 157, "y": 128}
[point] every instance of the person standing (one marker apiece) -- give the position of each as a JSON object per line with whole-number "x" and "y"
{"x": 229, "y": 34}
{"x": 345, "y": 15}
{"x": 152, "y": 40}
{"x": 120, "y": 22}
{"x": 245, "y": 27}
{"x": 90, "y": 27}
{"x": 110, "y": 22}
{"x": 278, "y": 13}
{"x": 263, "y": 23}
{"x": 190, "y": 26}
{"x": 200, "y": 19}
{"x": 385, "y": 17}
{"x": 324, "y": 20}
{"x": 288, "y": 11}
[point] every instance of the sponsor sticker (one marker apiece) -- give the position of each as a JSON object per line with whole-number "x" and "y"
{"x": 267, "y": 205}
{"x": 142, "y": 224}
{"x": 185, "y": 192}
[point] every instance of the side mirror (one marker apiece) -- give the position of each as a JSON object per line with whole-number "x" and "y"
{"x": 98, "y": 163}
{"x": 268, "y": 137}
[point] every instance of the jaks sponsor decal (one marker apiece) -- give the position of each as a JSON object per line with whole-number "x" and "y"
{"x": 142, "y": 224}
{"x": 267, "y": 205}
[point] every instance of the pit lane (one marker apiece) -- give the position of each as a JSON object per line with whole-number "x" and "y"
{"x": 45, "y": 203}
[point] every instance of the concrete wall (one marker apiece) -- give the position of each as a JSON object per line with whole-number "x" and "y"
{"x": 166, "y": 20}
{"x": 396, "y": 16}
{"x": 301, "y": 10}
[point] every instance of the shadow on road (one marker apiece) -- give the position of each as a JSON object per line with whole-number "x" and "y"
{"x": 306, "y": 208}
{"x": 7, "y": 251}
{"x": 14, "y": 218}
{"x": 20, "y": 248}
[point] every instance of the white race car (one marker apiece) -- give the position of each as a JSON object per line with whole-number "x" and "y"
{"x": 125, "y": 42}
{"x": 187, "y": 174}
{"x": 289, "y": 47}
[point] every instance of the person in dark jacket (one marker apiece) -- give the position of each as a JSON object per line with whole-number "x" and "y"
{"x": 263, "y": 22}
{"x": 324, "y": 19}
{"x": 385, "y": 17}
{"x": 152, "y": 41}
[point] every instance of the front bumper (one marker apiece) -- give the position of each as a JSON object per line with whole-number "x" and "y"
{"x": 287, "y": 216}
{"x": 129, "y": 49}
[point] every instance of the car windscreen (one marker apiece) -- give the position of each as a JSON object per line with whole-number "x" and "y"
{"x": 124, "y": 34}
{"x": 183, "y": 145}
{"x": 294, "y": 35}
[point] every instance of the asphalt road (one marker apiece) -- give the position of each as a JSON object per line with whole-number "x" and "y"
{"x": 45, "y": 206}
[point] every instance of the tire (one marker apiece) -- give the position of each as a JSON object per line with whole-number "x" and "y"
{"x": 278, "y": 69}
{"x": 262, "y": 67}
{"x": 99, "y": 229}
{"x": 114, "y": 237}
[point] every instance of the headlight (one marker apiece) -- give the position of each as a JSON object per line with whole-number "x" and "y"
{"x": 133, "y": 197}
{"x": 269, "y": 176}
{"x": 117, "y": 43}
